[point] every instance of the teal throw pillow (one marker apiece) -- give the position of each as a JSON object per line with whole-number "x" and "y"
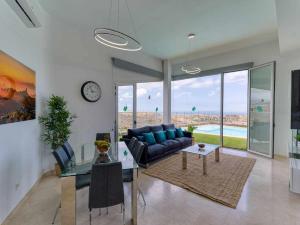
{"x": 179, "y": 132}
{"x": 160, "y": 136}
{"x": 149, "y": 138}
{"x": 171, "y": 134}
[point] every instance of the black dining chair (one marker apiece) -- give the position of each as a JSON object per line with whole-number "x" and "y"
{"x": 106, "y": 188}
{"x": 136, "y": 152}
{"x": 68, "y": 149}
{"x": 63, "y": 161}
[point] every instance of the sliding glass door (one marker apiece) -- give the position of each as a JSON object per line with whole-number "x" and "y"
{"x": 138, "y": 105}
{"x": 149, "y": 103}
{"x": 235, "y": 109}
{"x": 261, "y": 109}
{"x": 125, "y": 106}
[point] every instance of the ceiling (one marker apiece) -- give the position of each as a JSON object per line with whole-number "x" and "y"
{"x": 162, "y": 25}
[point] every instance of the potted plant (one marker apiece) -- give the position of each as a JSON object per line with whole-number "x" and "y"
{"x": 56, "y": 123}
{"x": 102, "y": 146}
{"x": 191, "y": 129}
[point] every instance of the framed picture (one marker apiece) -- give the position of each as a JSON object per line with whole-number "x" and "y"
{"x": 17, "y": 91}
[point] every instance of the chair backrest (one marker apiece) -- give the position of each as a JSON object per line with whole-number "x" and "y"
{"x": 61, "y": 157}
{"x": 103, "y": 136}
{"x": 138, "y": 151}
{"x": 132, "y": 143}
{"x": 106, "y": 187}
{"x": 68, "y": 149}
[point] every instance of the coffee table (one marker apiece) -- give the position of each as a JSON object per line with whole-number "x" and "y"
{"x": 209, "y": 148}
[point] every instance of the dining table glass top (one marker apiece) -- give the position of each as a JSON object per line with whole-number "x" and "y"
{"x": 84, "y": 159}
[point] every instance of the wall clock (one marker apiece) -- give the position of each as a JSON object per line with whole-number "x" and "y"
{"x": 91, "y": 91}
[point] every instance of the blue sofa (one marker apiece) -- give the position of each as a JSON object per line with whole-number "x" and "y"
{"x": 158, "y": 150}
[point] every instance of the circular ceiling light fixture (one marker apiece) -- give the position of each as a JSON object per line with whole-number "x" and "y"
{"x": 114, "y": 38}
{"x": 188, "y": 67}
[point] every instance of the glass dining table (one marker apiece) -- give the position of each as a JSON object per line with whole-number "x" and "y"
{"x": 81, "y": 164}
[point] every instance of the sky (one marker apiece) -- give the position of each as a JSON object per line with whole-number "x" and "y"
{"x": 202, "y": 94}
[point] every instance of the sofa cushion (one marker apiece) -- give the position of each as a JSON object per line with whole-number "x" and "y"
{"x": 156, "y": 128}
{"x": 184, "y": 141}
{"x": 171, "y": 144}
{"x": 154, "y": 150}
{"x": 149, "y": 138}
{"x": 179, "y": 132}
{"x": 168, "y": 126}
{"x": 160, "y": 136}
{"x": 138, "y": 131}
{"x": 170, "y": 134}
{"x": 141, "y": 138}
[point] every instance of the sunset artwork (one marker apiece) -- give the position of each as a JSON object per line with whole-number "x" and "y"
{"x": 17, "y": 91}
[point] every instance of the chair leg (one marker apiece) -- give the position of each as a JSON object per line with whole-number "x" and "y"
{"x": 90, "y": 217}
{"x": 141, "y": 193}
{"x": 56, "y": 212}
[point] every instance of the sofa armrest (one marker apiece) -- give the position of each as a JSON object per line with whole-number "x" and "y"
{"x": 188, "y": 134}
{"x": 144, "y": 157}
{"x": 126, "y": 139}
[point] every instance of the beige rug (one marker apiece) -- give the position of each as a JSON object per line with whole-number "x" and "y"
{"x": 223, "y": 183}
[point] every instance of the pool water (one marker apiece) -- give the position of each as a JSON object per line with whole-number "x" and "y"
{"x": 232, "y": 131}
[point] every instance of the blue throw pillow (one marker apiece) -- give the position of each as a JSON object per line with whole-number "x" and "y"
{"x": 179, "y": 132}
{"x": 149, "y": 138}
{"x": 160, "y": 136}
{"x": 171, "y": 134}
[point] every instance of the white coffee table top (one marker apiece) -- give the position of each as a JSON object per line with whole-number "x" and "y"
{"x": 209, "y": 148}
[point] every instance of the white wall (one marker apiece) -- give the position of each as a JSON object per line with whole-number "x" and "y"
{"x": 20, "y": 148}
{"x": 260, "y": 54}
{"x": 63, "y": 58}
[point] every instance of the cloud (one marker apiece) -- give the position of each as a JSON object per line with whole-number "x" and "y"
{"x": 141, "y": 91}
{"x": 211, "y": 93}
{"x": 126, "y": 95}
{"x": 158, "y": 94}
{"x": 239, "y": 77}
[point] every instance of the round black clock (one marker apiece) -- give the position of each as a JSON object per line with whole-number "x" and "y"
{"x": 91, "y": 91}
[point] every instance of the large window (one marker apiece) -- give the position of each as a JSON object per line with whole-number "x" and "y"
{"x": 125, "y": 108}
{"x": 196, "y": 102}
{"x": 149, "y": 103}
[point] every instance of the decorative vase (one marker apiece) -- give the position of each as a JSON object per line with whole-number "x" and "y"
{"x": 103, "y": 150}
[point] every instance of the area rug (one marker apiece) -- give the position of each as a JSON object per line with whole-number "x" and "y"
{"x": 223, "y": 183}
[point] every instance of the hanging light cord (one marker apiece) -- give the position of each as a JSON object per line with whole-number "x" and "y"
{"x": 131, "y": 19}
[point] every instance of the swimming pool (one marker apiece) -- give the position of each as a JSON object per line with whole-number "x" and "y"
{"x": 232, "y": 131}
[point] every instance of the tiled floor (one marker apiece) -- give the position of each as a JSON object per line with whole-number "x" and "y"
{"x": 266, "y": 200}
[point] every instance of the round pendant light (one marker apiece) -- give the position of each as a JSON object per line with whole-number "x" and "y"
{"x": 117, "y": 39}
{"x": 187, "y": 67}
{"x": 190, "y": 69}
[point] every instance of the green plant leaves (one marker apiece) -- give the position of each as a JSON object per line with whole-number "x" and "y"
{"x": 56, "y": 123}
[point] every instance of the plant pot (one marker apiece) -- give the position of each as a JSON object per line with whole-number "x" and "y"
{"x": 57, "y": 170}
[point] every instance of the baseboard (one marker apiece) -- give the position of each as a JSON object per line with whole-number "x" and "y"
{"x": 27, "y": 195}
